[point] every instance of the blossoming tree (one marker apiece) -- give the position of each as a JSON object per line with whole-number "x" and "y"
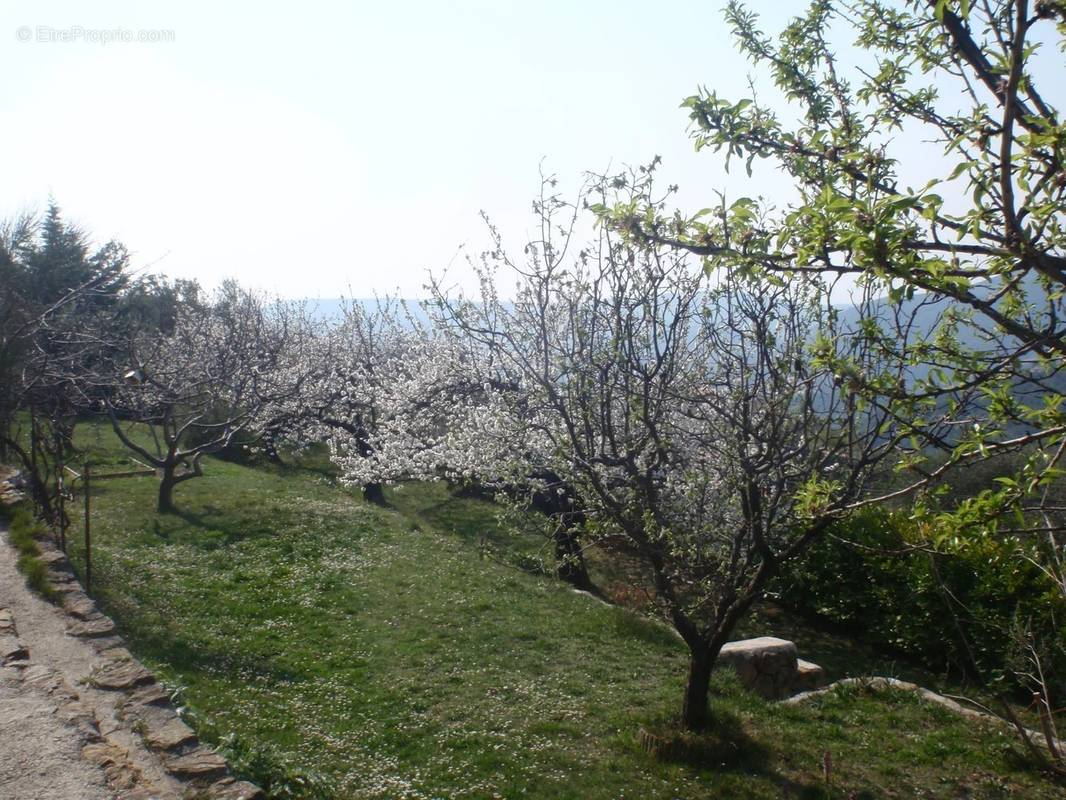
{"x": 701, "y": 432}
{"x": 197, "y": 386}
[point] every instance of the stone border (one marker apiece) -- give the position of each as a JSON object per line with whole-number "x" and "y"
{"x": 146, "y": 704}
{"x": 123, "y": 777}
{"x": 879, "y": 683}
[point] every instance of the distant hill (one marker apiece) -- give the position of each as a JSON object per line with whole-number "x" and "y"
{"x": 332, "y": 308}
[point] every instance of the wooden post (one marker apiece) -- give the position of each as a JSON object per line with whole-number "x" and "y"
{"x": 62, "y": 512}
{"x": 38, "y": 501}
{"x": 61, "y": 499}
{"x": 88, "y": 536}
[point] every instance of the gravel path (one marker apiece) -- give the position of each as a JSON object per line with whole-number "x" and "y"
{"x": 40, "y": 755}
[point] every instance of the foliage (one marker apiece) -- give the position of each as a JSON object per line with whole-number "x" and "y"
{"x": 55, "y": 299}
{"x": 966, "y": 244}
{"x": 278, "y": 777}
{"x": 870, "y": 576}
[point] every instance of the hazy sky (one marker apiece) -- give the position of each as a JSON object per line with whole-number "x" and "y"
{"x": 311, "y": 147}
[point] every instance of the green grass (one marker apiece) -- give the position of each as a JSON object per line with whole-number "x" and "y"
{"x": 398, "y": 654}
{"x": 24, "y": 531}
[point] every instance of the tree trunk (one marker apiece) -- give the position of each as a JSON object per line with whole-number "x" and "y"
{"x": 696, "y": 714}
{"x": 166, "y": 490}
{"x": 374, "y": 493}
{"x": 570, "y": 561}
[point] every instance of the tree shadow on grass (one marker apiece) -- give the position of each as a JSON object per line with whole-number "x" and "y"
{"x": 211, "y": 528}
{"x": 166, "y": 646}
{"x": 452, "y": 515}
{"x": 725, "y": 747}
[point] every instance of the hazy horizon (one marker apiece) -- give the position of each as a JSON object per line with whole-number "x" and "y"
{"x": 350, "y": 149}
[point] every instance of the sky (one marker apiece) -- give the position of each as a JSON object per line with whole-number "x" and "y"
{"x": 322, "y": 148}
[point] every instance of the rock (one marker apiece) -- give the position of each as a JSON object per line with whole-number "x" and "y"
{"x": 114, "y": 760}
{"x": 80, "y": 605}
{"x": 765, "y": 665}
{"x": 230, "y": 789}
{"x": 164, "y": 730}
{"x": 765, "y": 649}
{"x": 151, "y": 695}
{"x": 41, "y": 677}
{"x": 92, "y": 628}
{"x": 121, "y": 675}
{"x": 7, "y": 621}
{"x": 808, "y": 676}
{"x": 108, "y": 721}
{"x": 116, "y": 654}
{"x": 105, "y": 643}
{"x": 746, "y": 671}
{"x": 102, "y": 754}
{"x": 200, "y": 764}
{"x": 12, "y": 649}
{"x": 53, "y": 557}
{"x": 62, "y": 580}
{"x": 765, "y": 686}
{"x": 84, "y": 727}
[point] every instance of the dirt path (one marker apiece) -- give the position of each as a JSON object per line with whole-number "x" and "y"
{"x": 80, "y": 719}
{"x": 40, "y": 754}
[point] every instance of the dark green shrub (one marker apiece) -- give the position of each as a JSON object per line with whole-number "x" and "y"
{"x": 961, "y": 610}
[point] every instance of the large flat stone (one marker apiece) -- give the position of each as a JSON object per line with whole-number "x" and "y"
{"x": 121, "y": 675}
{"x": 229, "y": 789}
{"x": 79, "y": 605}
{"x": 766, "y": 653}
{"x": 200, "y": 764}
{"x": 766, "y": 686}
{"x": 91, "y": 628}
{"x": 150, "y": 695}
{"x": 164, "y": 730}
{"x": 12, "y": 649}
{"x": 761, "y": 648}
{"x": 766, "y": 665}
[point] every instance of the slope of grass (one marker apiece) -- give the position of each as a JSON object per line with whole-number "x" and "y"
{"x": 383, "y": 650}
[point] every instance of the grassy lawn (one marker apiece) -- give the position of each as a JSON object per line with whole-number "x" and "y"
{"x": 400, "y": 653}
